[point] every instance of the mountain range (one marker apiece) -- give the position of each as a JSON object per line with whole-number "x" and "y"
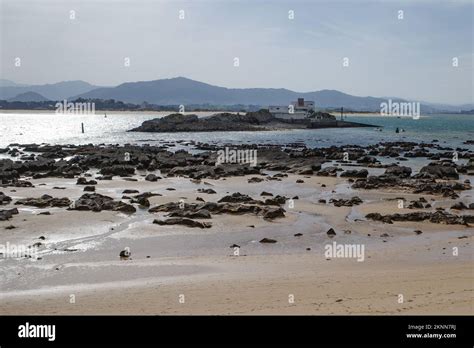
{"x": 181, "y": 90}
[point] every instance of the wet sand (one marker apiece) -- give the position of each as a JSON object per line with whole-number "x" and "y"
{"x": 168, "y": 262}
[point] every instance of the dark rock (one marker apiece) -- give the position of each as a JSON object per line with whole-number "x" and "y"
{"x": 254, "y": 180}
{"x": 398, "y": 171}
{"x": 7, "y": 214}
{"x": 331, "y": 232}
{"x": 208, "y": 191}
{"x": 120, "y": 170}
{"x": 130, "y": 191}
{"x": 440, "y": 172}
{"x": 4, "y": 199}
{"x": 266, "y": 194}
{"x": 459, "y": 206}
{"x": 267, "y": 240}
{"x": 346, "y": 202}
{"x": 44, "y": 201}
{"x": 89, "y": 189}
{"x": 363, "y": 173}
{"x": 183, "y": 221}
{"x": 152, "y": 177}
{"x": 273, "y": 213}
{"x": 96, "y": 202}
{"x": 84, "y": 181}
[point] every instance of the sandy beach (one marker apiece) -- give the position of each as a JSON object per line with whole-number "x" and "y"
{"x": 177, "y": 269}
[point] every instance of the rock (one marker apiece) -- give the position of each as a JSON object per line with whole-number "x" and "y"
{"x": 266, "y": 194}
{"x": 183, "y": 221}
{"x": 328, "y": 171}
{"x": 278, "y": 200}
{"x": 305, "y": 171}
{"x": 440, "y": 172}
{"x": 398, "y": 171}
{"x": 346, "y": 202}
{"x": 152, "y": 177}
{"x": 273, "y": 213}
{"x": 254, "y": 180}
{"x": 234, "y": 246}
{"x": 45, "y": 201}
{"x": 236, "y": 198}
{"x": 459, "y": 206}
{"x": 208, "y": 191}
{"x": 200, "y": 214}
{"x": 120, "y": 170}
{"x": 7, "y": 214}
{"x": 434, "y": 217}
{"x": 89, "y": 189}
{"x": 299, "y": 181}
{"x": 142, "y": 201}
{"x": 4, "y": 199}
{"x": 96, "y": 202}
{"x": 267, "y": 240}
{"x": 331, "y": 233}
{"x": 218, "y": 122}
{"x": 298, "y": 234}
{"x": 84, "y": 181}
{"x": 130, "y": 191}
{"x": 125, "y": 253}
{"x": 418, "y": 231}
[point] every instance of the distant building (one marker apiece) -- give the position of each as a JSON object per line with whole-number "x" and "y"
{"x": 297, "y": 110}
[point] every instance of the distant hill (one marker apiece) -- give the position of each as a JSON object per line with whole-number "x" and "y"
{"x": 55, "y": 91}
{"x": 28, "y": 97}
{"x": 180, "y": 90}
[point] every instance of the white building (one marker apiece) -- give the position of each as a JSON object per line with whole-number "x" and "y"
{"x": 297, "y": 110}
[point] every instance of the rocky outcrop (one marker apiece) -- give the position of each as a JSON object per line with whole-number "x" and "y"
{"x": 398, "y": 171}
{"x": 45, "y": 201}
{"x": 363, "y": 173}
{"x": 438, "y": 217}
{"x": 96, "y": 202}
{"x": 217, "y": 122}
{"x": 437, "y": 171}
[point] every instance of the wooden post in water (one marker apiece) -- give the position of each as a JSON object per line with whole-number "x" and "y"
{"x": 82, "y": 127}
{"x": 342, "y": 113}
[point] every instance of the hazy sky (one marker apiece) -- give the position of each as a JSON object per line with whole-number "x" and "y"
{"x": 410, "y": 57}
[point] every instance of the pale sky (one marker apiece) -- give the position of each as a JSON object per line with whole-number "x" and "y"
{"x": 410, "y": 58}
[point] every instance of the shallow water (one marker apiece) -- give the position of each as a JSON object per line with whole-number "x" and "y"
{"x": 37, "y": 127}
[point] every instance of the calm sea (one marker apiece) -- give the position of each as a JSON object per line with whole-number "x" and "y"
{"x": 36, "y": 127}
